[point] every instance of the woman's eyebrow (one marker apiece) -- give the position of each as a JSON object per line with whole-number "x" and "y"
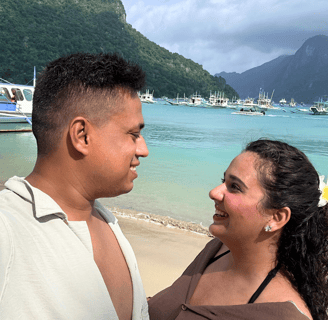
{"x": 232, "y": 177}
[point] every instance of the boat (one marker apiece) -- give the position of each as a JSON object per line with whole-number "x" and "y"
{"x": 196, "y": 100}
{"x": 217, "y": 100}
{"x": 292, "y": 103}
{"x": 176, "y": 101}
{"x": 15, "y": 102}
{"x": 264, "y": 102}
{"x": 282, "y": 101}
{"x": 250, "y": 112}
{"x": 320, "y": 107}
{"x": 146, "y": 97}
{"x": 249, "y": 103}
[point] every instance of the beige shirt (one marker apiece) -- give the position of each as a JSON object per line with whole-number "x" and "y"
{"x": 47, "y": 270}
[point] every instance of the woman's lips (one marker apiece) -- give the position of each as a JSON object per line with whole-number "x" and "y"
{"x": 219, "y": 214}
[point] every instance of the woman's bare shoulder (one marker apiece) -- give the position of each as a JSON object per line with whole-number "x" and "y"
{"x": 281, "y": 290}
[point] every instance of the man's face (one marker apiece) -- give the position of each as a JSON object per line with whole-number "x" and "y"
{"x": 116, "y": 148}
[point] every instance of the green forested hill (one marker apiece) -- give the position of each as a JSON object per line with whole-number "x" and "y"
{"x": 34, "y": 32}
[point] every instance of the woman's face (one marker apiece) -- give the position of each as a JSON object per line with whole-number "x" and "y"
{"x": 238, "y": 212}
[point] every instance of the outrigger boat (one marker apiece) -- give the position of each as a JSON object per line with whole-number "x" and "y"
{"x": 146, "y": 97}
{"x": 218, "y": 100}
{"x": 16, "y": 102}
{"x": 320, "y": 107}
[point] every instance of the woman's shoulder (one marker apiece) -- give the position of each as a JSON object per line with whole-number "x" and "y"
{"x": 258, "y": 311}
{"x": 280, "y": 291}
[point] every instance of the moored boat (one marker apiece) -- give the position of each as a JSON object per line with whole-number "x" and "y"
{"x": 146, "y": 97}
{"x": 320, "y": 107}
{"x": 196, "y": 100}
{"x": 15, "y": 102}
{"x": 292, "y": 103}
{"x": 264, "y": 102}
{"x": 217, "y": 100}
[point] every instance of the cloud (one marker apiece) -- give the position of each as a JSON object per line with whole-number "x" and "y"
{"x": 229, "y": 35}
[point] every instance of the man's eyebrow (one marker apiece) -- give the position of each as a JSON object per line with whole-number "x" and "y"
{"x": 232, "y": 177}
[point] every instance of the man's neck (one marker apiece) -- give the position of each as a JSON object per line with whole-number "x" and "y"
{"x": 62, "y": 188}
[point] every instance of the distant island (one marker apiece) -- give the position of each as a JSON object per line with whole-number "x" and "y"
{"x": 302, "y": 76}
{"x": 35, "y": 32}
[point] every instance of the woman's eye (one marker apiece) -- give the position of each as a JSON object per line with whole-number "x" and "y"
{"x": 235, "y": 186}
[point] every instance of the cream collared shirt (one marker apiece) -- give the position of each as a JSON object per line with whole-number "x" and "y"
{"x": 47, "y": 270}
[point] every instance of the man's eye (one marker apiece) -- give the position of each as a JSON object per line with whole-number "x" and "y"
{"x": 136, "y": 135}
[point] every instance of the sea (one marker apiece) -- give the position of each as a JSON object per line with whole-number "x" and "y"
{"x": 189, "y": 150}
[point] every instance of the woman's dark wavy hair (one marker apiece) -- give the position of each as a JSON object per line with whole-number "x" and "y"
{"x": 290, "y": 180}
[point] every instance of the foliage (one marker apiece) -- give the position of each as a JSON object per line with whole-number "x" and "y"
{"x": 37, "y": 32}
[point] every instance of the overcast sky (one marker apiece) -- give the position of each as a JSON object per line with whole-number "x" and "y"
{"x": 229, "y": 35}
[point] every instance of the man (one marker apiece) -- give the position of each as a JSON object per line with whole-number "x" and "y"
{"x": 62, "y": 254}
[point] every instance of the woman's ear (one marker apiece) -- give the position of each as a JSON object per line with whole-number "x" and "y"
{"x": 279, "y": 218}
{"x": 79, "y": 132}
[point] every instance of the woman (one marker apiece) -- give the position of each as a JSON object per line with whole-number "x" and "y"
{"x": 269, "y": 256}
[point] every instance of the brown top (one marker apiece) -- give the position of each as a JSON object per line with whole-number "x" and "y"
{"x": 173, "y": 302}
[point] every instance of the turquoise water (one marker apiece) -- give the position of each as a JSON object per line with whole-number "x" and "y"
{"x": 190, "y": 148}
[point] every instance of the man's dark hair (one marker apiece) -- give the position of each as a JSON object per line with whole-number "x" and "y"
{"x": 82, "y": 84}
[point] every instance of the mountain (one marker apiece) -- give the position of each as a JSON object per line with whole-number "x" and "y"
{"x": 35, "y": 32}
{"x": 302, "y": 76}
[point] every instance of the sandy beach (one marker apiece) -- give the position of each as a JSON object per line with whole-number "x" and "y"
{"x": 163, "y": 253}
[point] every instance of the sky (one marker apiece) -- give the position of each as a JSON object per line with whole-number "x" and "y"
{"x": 229, "y": 35}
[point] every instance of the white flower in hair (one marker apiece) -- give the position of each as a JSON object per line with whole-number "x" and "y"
{"x": 323, "y": 187}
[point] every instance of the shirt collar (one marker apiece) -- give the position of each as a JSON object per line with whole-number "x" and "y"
{"x": 44, "y": 205}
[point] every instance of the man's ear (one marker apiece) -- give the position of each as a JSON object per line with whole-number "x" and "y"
{"x": 279, "y": 218}
{"x": 79, "y": 132}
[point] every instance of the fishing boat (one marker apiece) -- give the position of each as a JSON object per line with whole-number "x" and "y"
{"x": 176, "y": 101}
{"x": 292, "y": 103}
{"x": 146, "y": 97}
{"x": 264, "y": 102}
{"x": 196, "y": 100}
{"x": 282, "y": 101}
{"x": 15, "y": 102}
{"x": 217, "y": 100}
{"x": 320, "y": 107}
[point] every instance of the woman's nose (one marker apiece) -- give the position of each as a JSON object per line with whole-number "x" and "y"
{"x": 218, "y": 192}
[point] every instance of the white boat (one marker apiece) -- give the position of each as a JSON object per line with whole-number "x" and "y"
{"x": 250, "y": 112}
{"x": 264, "y": 102}
{"x": 217, "y": 100}
{"x": 320, "y": 107}
{"x": 249, "y": 103}
{"x": 176, "y": 101}
{"x": 15, "y": 102}
{"x": 292, "y": 103}
{"x": 283, "y": 101}
{"x": 196, "y": 100}
{"x": 146, "y": 97}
